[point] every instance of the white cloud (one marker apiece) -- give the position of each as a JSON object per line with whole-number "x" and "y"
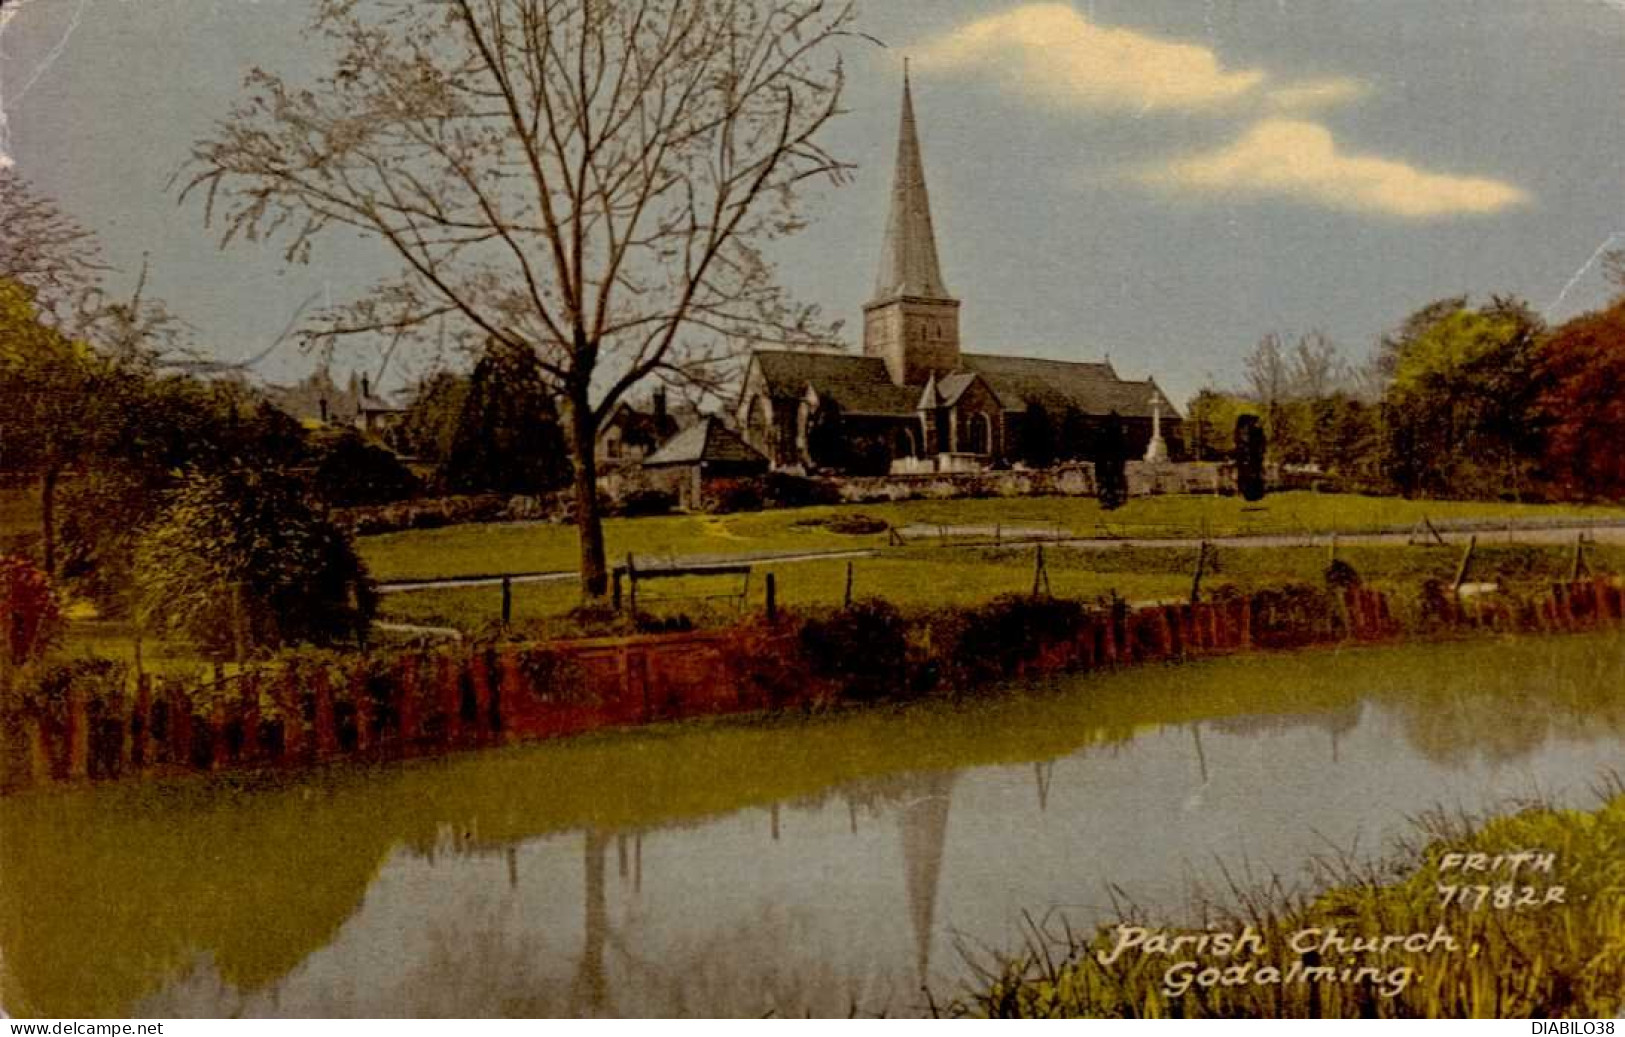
{"x": 1301, "y": 160}
{"x": 1317, "y": 93}
{"x": 1051, "y": 51}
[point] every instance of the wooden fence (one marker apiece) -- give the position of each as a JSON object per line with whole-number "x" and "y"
{"x": 454, "y": 697}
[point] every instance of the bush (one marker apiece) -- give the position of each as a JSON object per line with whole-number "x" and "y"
{"x": 351, "y": 472}
{"x": 102, "y": 681}
{"x": 246, "y": 552}
{"x": 856, "y": 525}
{"x": 1340, "y": 575}
{"x": 1291, "y": 615}
{"x": 783, "y": 490}
{"x": 863, "y": 648}
{"x": 994, "y": 639}
{"x": 731, "y": 495}
{"x": 643, "y": 503}
{"x": 29, "y": 609}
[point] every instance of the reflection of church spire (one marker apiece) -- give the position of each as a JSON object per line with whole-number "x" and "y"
{"x": 591, "y": 991}
{"x": 924, "y": 822}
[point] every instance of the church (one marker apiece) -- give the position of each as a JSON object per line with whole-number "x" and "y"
{"x": 914, "y": 402}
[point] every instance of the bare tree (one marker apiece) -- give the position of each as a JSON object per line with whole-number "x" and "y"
{"x": 1613, "y": 266}
{"x": 45, "y": 249}
{"x": 590, "y": 179}
{"x": 1317, "y": 367}
{"x": 1268, "y": 378}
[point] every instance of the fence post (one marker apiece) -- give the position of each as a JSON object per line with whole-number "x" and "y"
{"x": 772, "y": 599}
{"x": 507, "y": 601}
{"x": 327, "y": 738}
{"x": 249, "y": 711}
{"x": 361, "y": 699}
{"x": 451, "y": 696}
{"x": 141, "y": 722}
{"x": 291, "y": 702}
{"x": 848, "y": 600}
{"x": 1466, "y": 560}
{"x": 479, "y": 675}
{"x": 218, "y": 750}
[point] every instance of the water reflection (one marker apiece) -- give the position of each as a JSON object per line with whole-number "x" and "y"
{"x": 828, "y": 867}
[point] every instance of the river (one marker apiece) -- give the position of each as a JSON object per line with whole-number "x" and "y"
{"x": 825, "y": 864}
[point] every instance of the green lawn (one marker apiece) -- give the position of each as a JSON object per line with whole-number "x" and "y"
{"x": 542, "y": 547}
{"x": 925, "y": 576}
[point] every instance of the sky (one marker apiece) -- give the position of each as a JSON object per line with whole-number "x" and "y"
{"x": 1157, "y": 181}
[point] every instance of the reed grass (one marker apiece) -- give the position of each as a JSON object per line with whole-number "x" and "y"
{"x": 1550, "y": 961}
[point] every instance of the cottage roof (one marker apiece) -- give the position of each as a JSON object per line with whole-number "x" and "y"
{"x": 709, "y": 441}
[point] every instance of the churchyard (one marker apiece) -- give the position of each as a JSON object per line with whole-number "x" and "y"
{"x": 962, "y": 552}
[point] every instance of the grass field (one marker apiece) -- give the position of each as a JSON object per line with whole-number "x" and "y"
{"x": 541, "y": 547}
{"x": 918, "y": 577}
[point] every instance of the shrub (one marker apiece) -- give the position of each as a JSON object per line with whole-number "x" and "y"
{"x": 730, "y": 495}
{"x": 102, "y": 680}
{"x": 1291, "y": 615}
{"x": 351, "y": 472}
{"x": 856, "y": 525}
{"x": 643, "y": 503}
{"x": 29, "y": 609}
{"x": 246, "y": 552}
{"x": 1340, "y": 575}
{"x": 783, "y": 490}
{"x": 994, "y": 639}
{"x": 863, "y": 648}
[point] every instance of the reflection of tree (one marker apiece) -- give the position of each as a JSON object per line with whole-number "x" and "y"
{"x": 1506, "y": 712}
{"x": 590, "y": 993}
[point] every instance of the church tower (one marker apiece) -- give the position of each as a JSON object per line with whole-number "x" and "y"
{"x": 912, "y": 322}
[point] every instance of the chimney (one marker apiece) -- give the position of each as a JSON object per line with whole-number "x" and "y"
{"x": 366, "y": 387}
{"x": 660, "y": 405}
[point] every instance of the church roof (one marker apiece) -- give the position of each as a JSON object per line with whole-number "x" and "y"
{"x": 1055, "y": 385}
{"x": 856, "y": 384}
{"x": 908, "y": 257}
{"x": 709, "y": 441}
{"x": 862, "y": 385}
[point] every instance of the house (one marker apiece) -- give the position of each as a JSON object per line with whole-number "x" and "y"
{"x": 694, "y": 463}
{"x": 318, "y": 400}
{"x": 631, "y": 433}
{"x": 914, "y": 401}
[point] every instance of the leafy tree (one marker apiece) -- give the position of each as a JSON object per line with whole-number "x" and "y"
{"x": 428, "y": 429}
{"x": 1037, "y": 436}
{"x": 1211, "y": 422}
{"x": 165, "y": 424}
{"x": 1250, "y": 446}
{"x": 1460, "y": 407}
{"x": 240, "y": 560}
{"x": 351, "y": 472}
{"x": 1076, "y": 435}
{"x": 61, "y": 404}
{"x": 1111, "y": 464}
{"x": 508, "y": 438}
{"x": 1582, "y": 404}
{"x": 827, "y": 439}
{"x": 593, "y": 182}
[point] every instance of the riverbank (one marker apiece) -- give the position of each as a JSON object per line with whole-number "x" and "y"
{"x": 1521, "y": 917}
{"x": 313, "y": 706}
{"x": 724, "y": 848}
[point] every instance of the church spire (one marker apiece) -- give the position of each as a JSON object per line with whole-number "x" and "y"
{"x": 908, "y": 259}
